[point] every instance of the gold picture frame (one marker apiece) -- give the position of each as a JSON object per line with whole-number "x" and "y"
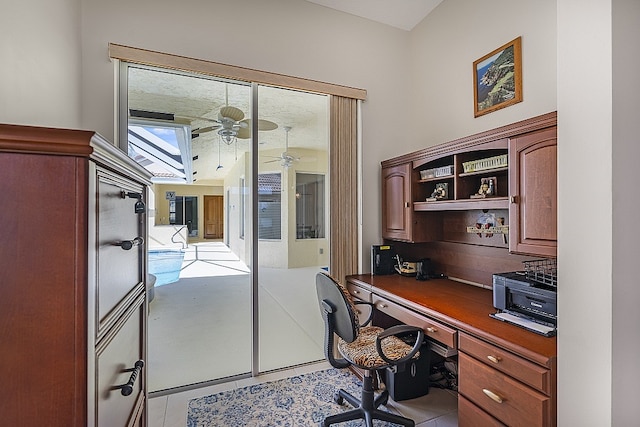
{"x": 497, "y": 78}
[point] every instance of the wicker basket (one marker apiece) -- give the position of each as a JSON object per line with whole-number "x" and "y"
{"x": 485, "y": 164}
{"x": 436, "y": 172}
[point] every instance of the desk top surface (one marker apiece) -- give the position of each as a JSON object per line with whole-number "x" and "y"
{"x": 462, "y": 306}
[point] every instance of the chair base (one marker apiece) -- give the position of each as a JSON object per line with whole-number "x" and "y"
{"x": 366, "y": 408}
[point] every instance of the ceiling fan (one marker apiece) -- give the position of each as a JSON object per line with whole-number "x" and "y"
{"x": 286, "y": 159}
{"x": 231, "y": 123}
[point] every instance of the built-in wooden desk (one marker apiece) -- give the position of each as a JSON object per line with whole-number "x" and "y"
{"x": 506, "y": 374}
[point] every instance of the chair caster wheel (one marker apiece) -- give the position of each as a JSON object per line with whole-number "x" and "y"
{"x": 384, "y": 401}
{"x": 338, "y": 398}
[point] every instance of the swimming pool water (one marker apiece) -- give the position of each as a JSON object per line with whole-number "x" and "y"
{"x": 165, "y": 264}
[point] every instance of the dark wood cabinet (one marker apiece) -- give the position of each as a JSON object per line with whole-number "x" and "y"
{"x": 397, "y": 209}
{"x": 399, "y": 219}
{"x": 73, "y": 309}
{"x": 517, "y": 162}
{"x": 533, "y": 213}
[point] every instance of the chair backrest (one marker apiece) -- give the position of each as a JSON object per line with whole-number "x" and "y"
{"x": 336, "y": 302}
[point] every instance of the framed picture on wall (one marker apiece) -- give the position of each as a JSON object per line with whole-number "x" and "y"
{"x": 497, "y": 78}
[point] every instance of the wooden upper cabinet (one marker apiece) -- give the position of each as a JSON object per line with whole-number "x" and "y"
{"x": 533, "y": 212}
{"x": 396, "y": 202}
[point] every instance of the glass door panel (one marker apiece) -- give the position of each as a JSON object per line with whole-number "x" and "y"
{"x": 186, "y": 129}
{"x": 293, "y": 239}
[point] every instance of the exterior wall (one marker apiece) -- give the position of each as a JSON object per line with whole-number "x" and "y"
{"x": 233, "y": 193}
{"x": 161, "y": 204}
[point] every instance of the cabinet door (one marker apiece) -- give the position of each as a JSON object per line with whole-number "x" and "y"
{"x": 396, "y": 202}
{"x": 533, "y": 187}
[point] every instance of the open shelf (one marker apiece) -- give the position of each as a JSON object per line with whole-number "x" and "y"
{"x": 486, "y": 171}
{"x": 463, "y": 204}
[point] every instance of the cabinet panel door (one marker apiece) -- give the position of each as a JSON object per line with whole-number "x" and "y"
{"x": 116, "y": 357}
{"x": 533, "y": 213}
{"x": 396, "y": 202}
{"x": 119, "y": 267}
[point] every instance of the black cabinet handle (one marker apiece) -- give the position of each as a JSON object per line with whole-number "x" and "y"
{"x": 139, "y": 206}
{"x": 127, "y": 389}
{"x": 128, "y": 244}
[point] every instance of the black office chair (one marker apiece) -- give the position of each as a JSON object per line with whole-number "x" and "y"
{"x": 368, "y": 347}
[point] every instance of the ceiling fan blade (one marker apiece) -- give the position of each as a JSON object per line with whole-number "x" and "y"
{"x": 192, "y": 118}
{"x": 232, "y": 113}
{"x": 263, "y": 125}
{"x": 244, "y": 132}
{"x": 205, "y": 129}
{"x": 266, "y": 125}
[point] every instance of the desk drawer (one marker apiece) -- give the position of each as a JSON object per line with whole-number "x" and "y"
{"x": 359, "y": 292}
{"x": 432, "y": 328}
{"x": 469, "y": 415}
{"x": 508, "y": 400}
{"x": 523, "y": 370}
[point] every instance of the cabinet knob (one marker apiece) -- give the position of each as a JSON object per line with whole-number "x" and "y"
{"x": 494, "y": 359}
{"x": 407, "y": 204}
{"x": 492, "y": 395}
{"x": 513, "y": 199}
{"x": 431, "y": 329}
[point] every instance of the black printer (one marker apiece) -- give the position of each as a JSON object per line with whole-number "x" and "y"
{"x": 528, "y": 298}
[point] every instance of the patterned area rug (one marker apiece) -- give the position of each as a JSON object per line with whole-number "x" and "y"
{"x": 299, "y": 401}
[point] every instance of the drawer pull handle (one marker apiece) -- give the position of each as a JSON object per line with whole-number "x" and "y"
{"x": 139, "y": 207}
{"x": 356, "y": 292}
{"x": 382, "y": 305}
{"x": 494, "y": 359}
{"x": 432, "y": 329}
{"x": 127, "y": 389}
{"x": 492, "y": 395}
{"x": 128, "y": 244}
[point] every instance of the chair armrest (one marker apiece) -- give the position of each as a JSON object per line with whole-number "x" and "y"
{"x": 398, "y": 330}
{"x": 366, "y": 322}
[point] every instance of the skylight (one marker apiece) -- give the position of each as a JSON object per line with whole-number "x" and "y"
{"x": 163, "y": 148}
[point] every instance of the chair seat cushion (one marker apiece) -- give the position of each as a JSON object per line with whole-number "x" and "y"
{"x": 362, "y": 351}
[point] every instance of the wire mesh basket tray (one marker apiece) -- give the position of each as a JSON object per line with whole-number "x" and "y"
{"x": 542, "y": 271}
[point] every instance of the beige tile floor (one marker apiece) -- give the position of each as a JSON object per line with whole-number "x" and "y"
{"x": 199, "y": 329}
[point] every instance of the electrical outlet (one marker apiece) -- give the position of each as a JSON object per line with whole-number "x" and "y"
{"x": 321, "y": 251}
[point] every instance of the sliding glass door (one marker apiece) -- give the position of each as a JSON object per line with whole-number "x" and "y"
{"x": 293, "y": 244}
{"x": 244, "y": 302}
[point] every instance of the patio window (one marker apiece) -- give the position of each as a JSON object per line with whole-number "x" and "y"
{"x": 269, "y": 206}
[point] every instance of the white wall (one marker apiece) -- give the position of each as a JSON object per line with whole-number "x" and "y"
{"x": 585, "y": 284}
{"x": 443, "y": 49}
{"x": 626, "y": 237}
{"x": 40, "y": 66}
